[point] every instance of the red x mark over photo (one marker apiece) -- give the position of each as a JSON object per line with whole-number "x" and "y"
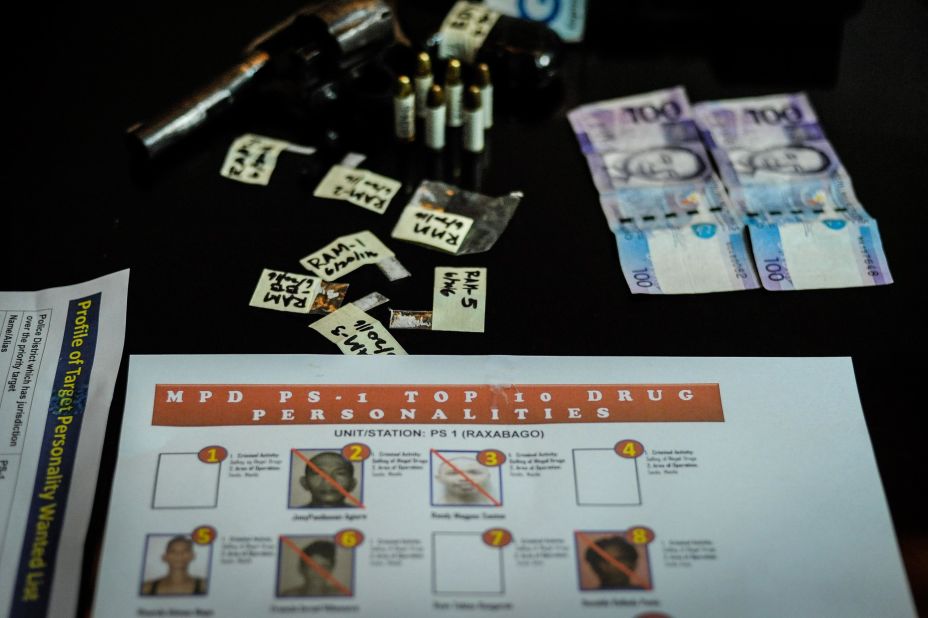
{"x": 467, "y": 478}
{"x": 328, "y": 479}
{"x": 633, "y": 579}
{"x": 315, "y": 566}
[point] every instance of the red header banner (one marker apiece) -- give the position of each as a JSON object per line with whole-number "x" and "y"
{"x": 199, "y": 405}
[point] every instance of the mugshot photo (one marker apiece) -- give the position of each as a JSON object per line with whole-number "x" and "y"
{"x": 175, "y": 566}
{"x": 459, "y": 479}
{"x": 314, "y": 566}
{"x": 324, "y": 478}
{"x": 609, "y": 561}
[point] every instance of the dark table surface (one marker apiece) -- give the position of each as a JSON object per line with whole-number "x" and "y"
{"x": 78, "y": 76}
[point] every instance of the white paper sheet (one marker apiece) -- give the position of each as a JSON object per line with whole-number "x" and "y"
{"x": 721, "y": 487}
{"x": 59, "y": 353}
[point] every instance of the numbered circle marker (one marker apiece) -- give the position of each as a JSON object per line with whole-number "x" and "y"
{"x": 629, "y": 449}
{"x": 213, "y": 454}
{"x": 497, "y": 537}
{"x": 203, "y": 535}
{"x": 491, "y": 458}
{"x": 356, "y": 451}
{"x": 349, "y": 539}
{"x": 639, "y": 535}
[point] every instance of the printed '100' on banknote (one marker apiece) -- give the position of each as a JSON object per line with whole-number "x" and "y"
{"x": 676, "y": 229}
{"x": 807, "y": 227}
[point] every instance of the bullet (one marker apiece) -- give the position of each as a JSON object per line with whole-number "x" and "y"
{"x": 473, "y": 120}
{"x": 454, "y": 91}
{"x": 404, "y": 110}
{"x": 435, "y": 118}
{"x": 424, "y": 81}
{"x": 486, "y": 93}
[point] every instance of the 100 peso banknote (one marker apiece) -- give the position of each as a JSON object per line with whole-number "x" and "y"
{"x": 808, "y": 230}
{"x": 677, "y": 231}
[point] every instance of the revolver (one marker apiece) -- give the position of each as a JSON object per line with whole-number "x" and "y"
{"x": 312, "y": 51}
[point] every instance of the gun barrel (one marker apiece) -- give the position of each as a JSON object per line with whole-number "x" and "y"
{"x": 190, "y": 114}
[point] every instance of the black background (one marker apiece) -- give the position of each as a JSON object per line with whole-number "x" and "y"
{"x": 77, "y": 76}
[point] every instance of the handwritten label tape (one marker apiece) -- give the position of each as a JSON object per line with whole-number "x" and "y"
{"x": 357, "y": 333}
{"x": 459, "y": 299}
{"x": 252, "y": 158}
{"x": 434, "y": 228}
{"x": 360, "y": 187}
{"x": 346, "y": 254}
{"x": 284, "y": 291}
{"x": 464, "y": 30}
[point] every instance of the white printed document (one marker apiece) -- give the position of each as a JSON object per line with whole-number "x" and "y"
{"x": 497, "y": 486}
{"x": 59, "y": 356}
